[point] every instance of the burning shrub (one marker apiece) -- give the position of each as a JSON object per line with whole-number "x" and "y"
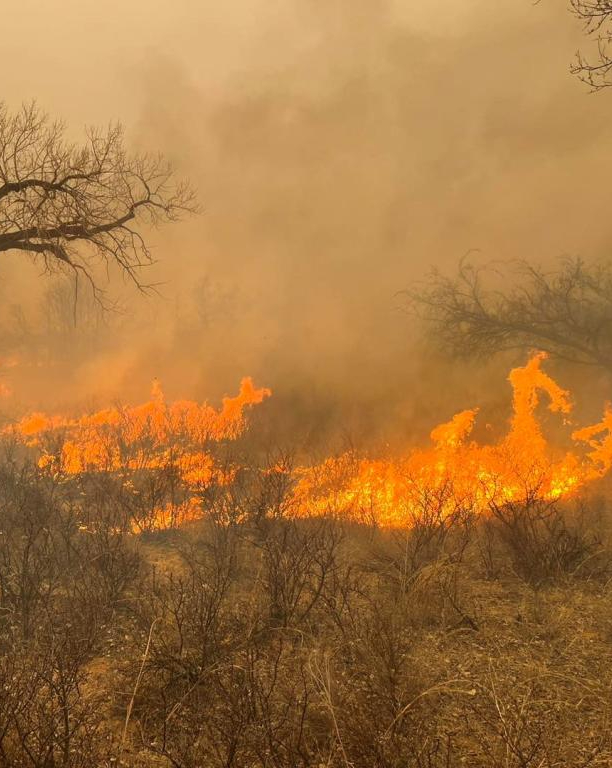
{"x": 168, "y": 460}
{"x": 330, "y": 615}
{"x": 162, "y": 454}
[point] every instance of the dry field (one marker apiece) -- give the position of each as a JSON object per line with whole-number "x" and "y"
{"x": 252, "y": 639}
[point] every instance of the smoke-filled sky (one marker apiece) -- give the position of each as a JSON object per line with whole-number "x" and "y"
{"x": 341, "y": 149}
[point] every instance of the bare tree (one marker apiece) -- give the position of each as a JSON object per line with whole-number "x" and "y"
{"x": 566, "y": 312}
{"x": 67, "y": 204}
{"x": 597, "y": 18}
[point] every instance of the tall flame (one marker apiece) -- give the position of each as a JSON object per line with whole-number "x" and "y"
{"x": 457, "y": 470}
{"x": 155, "y": 435}
{"x": 454, "y": 470}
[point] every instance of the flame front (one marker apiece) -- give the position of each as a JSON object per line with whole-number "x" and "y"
{"x": 175, "y": 438}
{"x": 455, "y": 471}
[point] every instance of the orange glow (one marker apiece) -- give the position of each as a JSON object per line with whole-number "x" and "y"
{"x": 6, "y": 363}
{"x": 174, "y": 438}
{"x": 170, "y": 446}
{"x": 458, "y": 471}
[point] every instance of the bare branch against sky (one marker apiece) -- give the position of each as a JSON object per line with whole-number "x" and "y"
{"x": 66, "y": 204}
{"x": 595, "y": 67}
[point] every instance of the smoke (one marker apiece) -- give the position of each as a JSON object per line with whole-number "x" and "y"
{"x": 341, "y": 150}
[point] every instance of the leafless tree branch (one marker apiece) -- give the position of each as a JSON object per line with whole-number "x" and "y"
{"x": 566, "y": 312}
{"x": 595, "y": 70}
{"x": 67, "y": 204}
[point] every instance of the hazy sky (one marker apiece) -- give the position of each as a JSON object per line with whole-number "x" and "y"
{"x": 341, "y": 149}
{"x": 84, "y": 57}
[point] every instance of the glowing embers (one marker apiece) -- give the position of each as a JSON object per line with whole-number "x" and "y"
{"x": 457, "y": 471}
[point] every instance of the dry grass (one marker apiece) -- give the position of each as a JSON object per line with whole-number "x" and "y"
{"x": 284, "y": 643}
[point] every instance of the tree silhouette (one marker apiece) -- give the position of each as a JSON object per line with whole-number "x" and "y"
{"x": 69, "y": 205}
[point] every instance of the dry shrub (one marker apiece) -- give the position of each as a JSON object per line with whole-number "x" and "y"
{"x": 255, "y": 640}
{"x": 545, "y": 540}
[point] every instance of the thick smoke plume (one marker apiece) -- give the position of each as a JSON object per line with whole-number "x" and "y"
{"x": 341, "y": 150}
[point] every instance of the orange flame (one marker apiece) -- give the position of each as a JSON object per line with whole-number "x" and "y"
{"x": 457, "y": 470}
{"x": 155, "y": 435}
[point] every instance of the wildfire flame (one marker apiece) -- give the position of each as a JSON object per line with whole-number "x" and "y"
{"x": 155, "y": 435}
{"x": 455, "y": 470}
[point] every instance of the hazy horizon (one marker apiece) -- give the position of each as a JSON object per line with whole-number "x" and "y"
{"x": 341, "y": 151}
